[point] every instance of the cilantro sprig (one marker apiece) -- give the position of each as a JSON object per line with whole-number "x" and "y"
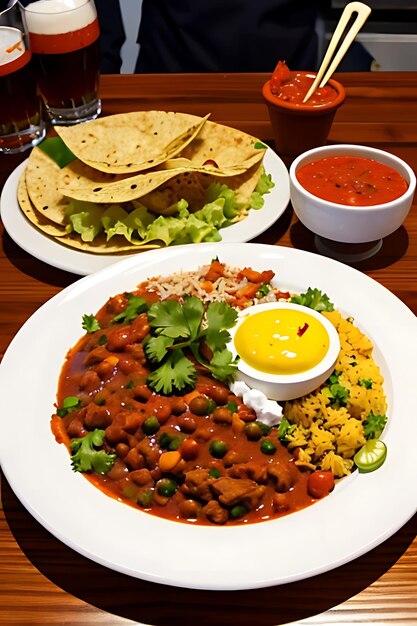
{"x": 374, "y": 425}
{"x": 90, "y": 323}
{"x": 86, "y": 455}
{"x": 314, "y": 299}
{"x": 135, "y": 306}
{"x": 338, "y": 394}
{"x": 179, "y": 330}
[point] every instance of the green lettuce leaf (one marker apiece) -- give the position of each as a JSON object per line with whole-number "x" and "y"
{"x": 139, "y": 226}
{"x": 85, "y": 218}
{"x": 56, "y": 149}
{"x": 265, "y": 184}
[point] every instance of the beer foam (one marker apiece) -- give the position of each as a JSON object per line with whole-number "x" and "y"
{"x": 9, "y": 48}
{"x": 55, "y": 17}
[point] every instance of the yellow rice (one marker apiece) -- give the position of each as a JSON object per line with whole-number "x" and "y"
{"x": 327, "y": 437}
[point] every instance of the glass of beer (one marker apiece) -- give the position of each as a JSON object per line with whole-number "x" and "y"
{"x": 21, "y": 123}
{"x": 64, "y": 38}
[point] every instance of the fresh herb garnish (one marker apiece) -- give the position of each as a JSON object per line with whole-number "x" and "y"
{"x": 90, "y": 323}
{"x": 135, "y": 306}
{"x": 285, "y": 429}
{"x": 365, "y": 382}
{"x": 338, "y": 394}
{"x": 314, "y": 299}
{"x": 86, "y": 457}
{"x": 263, "y": 290}
{"x": 69, "y": 404}
{"x": 176, "y": 327}
{"x": 374, "y": 425}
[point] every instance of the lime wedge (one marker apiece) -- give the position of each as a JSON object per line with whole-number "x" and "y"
{"x": 371, "y": 455}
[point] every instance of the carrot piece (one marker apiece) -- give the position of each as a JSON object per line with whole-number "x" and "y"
{"x": 257, "y": 277}
{"x": 190, "y": 396}
{"x": 237, "y": 424}
{"x": 168, "y": 460}
{"x": 207, "y": 285}
{"x": 215, "y": 271}
{"x": 248, "y": 291}
{"x": 58, "y": 430}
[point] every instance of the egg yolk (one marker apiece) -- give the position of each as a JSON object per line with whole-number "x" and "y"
{"x": 281, "y": 341}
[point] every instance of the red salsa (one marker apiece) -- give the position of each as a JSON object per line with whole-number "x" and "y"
{"x": 352, "y": 180}
{"x": 293, "y": 86}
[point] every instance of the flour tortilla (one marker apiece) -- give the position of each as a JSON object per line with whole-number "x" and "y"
{"x": 82, "y": 182}
{"x": 33, "y": 215}
{"x": 41, "y": 177}
{"x": 225, "y": 145}
{"x": 131, "y": 142}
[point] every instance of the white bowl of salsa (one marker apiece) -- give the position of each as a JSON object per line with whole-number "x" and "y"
{"x": 350, "y": 193}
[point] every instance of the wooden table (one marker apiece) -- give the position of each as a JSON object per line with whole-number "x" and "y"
{"x": 44, "y": 582}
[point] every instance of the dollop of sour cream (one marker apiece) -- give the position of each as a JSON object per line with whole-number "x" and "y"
{"x": 267, "y": 411}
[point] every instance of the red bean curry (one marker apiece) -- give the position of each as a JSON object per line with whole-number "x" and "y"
{"x": 201, "y": 457}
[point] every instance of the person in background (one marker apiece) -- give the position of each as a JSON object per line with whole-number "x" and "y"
{"x": 227, "y": 35}
{"x": 112, "y": 35}
{"x": 214, "y": 35}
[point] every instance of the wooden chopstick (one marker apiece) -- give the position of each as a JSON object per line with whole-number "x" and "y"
{"x": 363, "y": 12}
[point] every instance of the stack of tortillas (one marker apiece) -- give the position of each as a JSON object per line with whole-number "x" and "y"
{"x": 146, "y": 162}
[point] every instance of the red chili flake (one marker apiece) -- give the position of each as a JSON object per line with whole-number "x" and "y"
{"x": 302, "y": 330}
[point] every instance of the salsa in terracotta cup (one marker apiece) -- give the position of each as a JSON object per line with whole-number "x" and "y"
{"x": 297, "y": 126}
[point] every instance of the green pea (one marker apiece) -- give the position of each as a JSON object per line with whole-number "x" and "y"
{"x": 267, "y": 447}
{"x": 215, "y": 473}
{"x": 151, "y": 425}
{"x": 264, "y": 427}
{"x": 232, "y": 406}
{"x": 145, "y": 497}
{"x": 200, "y": 405}
{"x": 253, "y": 431}
{"x": 175, "y": 443}
{"x": 164, "y": 440}
{"x": 166, "y": 487}
{"x": 237, "y": 511}
{"x": 218, "y": 449}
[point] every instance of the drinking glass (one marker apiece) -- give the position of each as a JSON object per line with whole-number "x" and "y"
{"x": 64, "y": 38}
{"x": 21, "y": 123}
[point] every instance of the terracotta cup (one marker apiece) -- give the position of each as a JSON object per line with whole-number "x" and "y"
{"x": 300, "y": 127}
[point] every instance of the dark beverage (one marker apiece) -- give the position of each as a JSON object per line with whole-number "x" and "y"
{"x": 69, "y": 79}
{"x": 21, "y": 125}
{"x": 65, "y": 48}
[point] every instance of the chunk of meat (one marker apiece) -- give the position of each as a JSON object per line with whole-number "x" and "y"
{"x": 198, "y": 482}
{"x": 233, "y": 490}
{"x": 281, "y": 476}
{"x": 97, "y": 417}
{"x": 251, "y": 470}
{"x": 150, "y": 452}
{"x": 96, "y": 355}
{"x": 215, "y": 513}
{"x": 139, "y": 328}
{"x": 90, "y": 381}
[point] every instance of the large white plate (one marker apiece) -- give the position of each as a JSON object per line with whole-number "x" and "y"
{"x": 46, "y": 249}
{"x": 363, "y": 510}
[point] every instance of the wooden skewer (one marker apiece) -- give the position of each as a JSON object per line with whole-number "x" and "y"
{"x": 363, "y": 12}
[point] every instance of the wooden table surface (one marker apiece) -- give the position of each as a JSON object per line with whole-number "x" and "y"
{"x": 44, "y": 582}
